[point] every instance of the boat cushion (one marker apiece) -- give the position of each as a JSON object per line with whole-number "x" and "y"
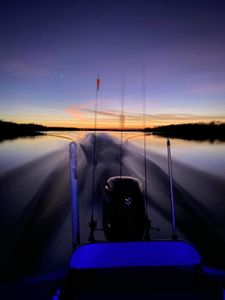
{"x": 134, "y": 254}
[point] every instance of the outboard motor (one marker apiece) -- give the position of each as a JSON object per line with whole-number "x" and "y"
{"x": 124, "y": 215}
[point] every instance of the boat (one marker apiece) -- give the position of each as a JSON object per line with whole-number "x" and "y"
{"x": 130, "y": 265}
{"x": 124, "y": 217}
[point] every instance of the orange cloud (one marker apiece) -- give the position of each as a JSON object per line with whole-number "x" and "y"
{"x": 112, "y": 118}
{"x": 77, "y": 111}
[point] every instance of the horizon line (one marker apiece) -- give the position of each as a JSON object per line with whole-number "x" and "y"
{"x": 215, "y": 122}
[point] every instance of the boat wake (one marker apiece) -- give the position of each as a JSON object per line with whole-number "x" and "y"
{"x": 35, "y": 211}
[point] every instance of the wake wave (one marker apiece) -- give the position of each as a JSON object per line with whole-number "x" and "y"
{"x": 35, "y": 204}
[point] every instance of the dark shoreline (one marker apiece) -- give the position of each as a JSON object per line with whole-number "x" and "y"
{"x": 196, "y": 132}
{"x": 11, "y": 131}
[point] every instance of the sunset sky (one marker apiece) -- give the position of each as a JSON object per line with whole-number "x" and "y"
{"x": 52, "y": 51}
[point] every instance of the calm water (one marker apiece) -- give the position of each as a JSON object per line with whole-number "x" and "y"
{"x": 15, "y": 153}
{"x": 205, "y": 156}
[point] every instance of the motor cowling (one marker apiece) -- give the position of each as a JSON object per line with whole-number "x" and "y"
{"x": 124, "y": 216}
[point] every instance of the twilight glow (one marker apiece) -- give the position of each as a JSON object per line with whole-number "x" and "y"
{"x": 52, "y": 51}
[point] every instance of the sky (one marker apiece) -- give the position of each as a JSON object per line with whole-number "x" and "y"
{"x": 167, "y": 56}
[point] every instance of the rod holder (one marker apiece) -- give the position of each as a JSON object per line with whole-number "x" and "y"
{"x": 174, "y": 235}
{"x": 74, "y": 195}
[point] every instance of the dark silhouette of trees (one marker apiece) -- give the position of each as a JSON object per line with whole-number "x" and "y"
{"x": 196, "y": 131}
{"x": 192, "y": 131}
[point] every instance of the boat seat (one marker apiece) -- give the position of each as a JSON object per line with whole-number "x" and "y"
{"x": 138, "y": 270}
{"x": 134, "y": 254}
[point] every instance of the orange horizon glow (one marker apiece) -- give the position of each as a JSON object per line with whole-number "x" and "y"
{"x": 111, "y": 123}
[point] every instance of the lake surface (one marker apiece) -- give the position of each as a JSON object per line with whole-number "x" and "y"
{"x": 206, "y": 156}
{"x": 15, "y": 153}
{"x": 35, "y": 216}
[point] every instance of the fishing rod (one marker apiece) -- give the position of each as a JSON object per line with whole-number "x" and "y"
{"x": 122, "y": 123}
{"x": 147, "y": 236}
{"x": 93, "y": 223}
{"x": 144, "y": 126}
{"x": 148, "y": 221}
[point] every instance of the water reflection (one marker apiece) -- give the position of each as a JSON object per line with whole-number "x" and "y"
{"x": 15, "y": 153}
{"x": 204, "y": 155}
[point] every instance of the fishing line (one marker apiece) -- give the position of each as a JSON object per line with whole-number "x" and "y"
{"x": 148, "y": 222}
